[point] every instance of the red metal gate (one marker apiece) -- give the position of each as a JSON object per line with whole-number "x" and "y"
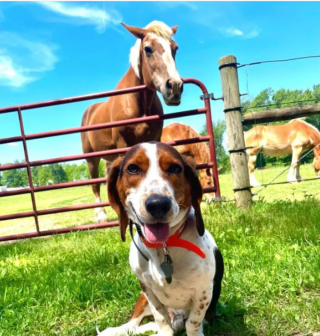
{"x": 28, "y": 164}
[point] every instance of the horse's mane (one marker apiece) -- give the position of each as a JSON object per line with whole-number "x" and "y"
{"x": 156, "y": 27}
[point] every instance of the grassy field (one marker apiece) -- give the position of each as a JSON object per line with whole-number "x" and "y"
{"x": 68, "y": 284}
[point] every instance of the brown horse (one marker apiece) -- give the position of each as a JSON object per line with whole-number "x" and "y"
{"x": 152, "y": 61}
{"x": 295, "y": 137}
{"x": 199, "y": 151}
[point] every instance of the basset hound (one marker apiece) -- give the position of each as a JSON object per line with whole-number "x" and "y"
{"x": 176, "y": 260}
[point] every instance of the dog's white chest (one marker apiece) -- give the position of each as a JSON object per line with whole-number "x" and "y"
{"x": 190, "y": 272}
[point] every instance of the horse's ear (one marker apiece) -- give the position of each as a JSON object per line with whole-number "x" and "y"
{"x": 174, "y": 29}
{"x": 137, "y": 32}
{"x": 114, "y": 198}
{"x": 196, "y": 190}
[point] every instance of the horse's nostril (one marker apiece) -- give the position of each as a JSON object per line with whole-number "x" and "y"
{"x": 157, "y": 205}
{"x": 168, "y": 84}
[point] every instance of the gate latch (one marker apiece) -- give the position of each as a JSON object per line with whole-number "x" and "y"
{"x": 209, "y": 96}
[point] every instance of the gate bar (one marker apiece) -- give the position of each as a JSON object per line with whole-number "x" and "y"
{"x": 26, "y": 155}
{"x": 104, "y": 125}
{"x": 74, "y": 99}
{"x": 59, "y": 231}
{"x": 95, "y": 154}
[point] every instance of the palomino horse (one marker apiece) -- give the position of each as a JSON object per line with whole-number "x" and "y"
{"x": 199, "y": 151}
{"x": 295, "y": 137}
{"x": 152, "y": 61}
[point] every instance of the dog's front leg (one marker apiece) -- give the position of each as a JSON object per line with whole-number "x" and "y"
{"x": 160, "y": 313}
{"x": 198, "y": 310}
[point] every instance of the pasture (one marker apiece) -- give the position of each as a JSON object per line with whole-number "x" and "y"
{"x": 68, "y": 284}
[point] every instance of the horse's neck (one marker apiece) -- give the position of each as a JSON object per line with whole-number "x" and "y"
{"x": 144, "y": 99}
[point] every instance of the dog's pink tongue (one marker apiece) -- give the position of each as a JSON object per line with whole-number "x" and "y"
{"x": 157, "y": 233}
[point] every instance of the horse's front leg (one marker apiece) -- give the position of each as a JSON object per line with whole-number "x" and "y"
{"x": 93, "y": 166}
{"x": 294, "y": 172}
{"x": 252, "y": 158}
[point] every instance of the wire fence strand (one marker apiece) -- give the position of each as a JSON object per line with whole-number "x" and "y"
{"x": 281, "y": 60}
{"x": 285, "y": 103}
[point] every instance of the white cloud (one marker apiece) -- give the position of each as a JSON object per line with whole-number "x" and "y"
{"x": 22, "y": 60}
{"x": 174, "y": 4}
{"x": 83, "y": 15}
{"x": 12, "y": 144}
{"x": 231, "y": 32}
{"x": 254, "y": 33}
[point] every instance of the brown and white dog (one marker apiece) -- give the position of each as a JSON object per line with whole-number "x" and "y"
{"x": 156, "y": 188}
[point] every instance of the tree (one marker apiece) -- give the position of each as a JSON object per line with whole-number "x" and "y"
{"x": 58, "y": 174}
{"x": 219, "y": 129}
{"x": 44, "y": 175}
{"x": 15, "y": 178}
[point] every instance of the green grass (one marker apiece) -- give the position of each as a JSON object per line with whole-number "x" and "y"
{"x": 291, "y": 191}
{"x": 50, "y": 199}
{"x": 68, "y": 284}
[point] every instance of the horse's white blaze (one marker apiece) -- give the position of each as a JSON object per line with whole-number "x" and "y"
{"x": 168, "y": 60}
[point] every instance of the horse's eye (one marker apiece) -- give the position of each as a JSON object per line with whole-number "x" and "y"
{"x": 148, "y": 51}
{"x": 133, "y": 169}
{"x": 174, "y": 169}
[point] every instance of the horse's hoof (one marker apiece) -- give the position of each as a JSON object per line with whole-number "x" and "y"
{"x": 256, "y": 185}
{"x": 101, "y": 217}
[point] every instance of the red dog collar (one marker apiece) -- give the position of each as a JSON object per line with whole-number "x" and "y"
{"x": 176, "y": 241}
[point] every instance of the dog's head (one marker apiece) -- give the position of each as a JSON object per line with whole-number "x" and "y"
{"x": 155, "y": 187}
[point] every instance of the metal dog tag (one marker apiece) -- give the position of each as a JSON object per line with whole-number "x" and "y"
{"x": 167, "y": 268}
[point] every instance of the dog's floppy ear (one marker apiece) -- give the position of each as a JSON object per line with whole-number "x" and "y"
{"x": 196, "y": 190}
{"x": 114, "y": 198}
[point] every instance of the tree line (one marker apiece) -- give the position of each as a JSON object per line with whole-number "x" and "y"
{"x": 44, "y": 175}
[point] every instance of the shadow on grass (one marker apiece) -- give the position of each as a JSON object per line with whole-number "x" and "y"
{"x": 229, "y": 320}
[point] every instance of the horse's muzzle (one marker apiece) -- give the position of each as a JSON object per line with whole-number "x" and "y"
{"x": 173, "y": 92}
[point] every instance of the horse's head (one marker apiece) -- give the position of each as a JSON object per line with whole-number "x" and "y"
{"x": 153, "y": 60}
{"x": 316, "y": 165}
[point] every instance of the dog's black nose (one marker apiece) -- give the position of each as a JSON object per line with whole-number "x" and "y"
{"x": 157, "y": 205}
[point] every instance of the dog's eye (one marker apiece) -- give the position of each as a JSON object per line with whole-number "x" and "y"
{"x": 174, "y": 169}
{"x": 133, "y": 169}
{"x": 148, "y": 51}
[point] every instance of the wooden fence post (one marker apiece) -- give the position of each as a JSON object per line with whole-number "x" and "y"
{"x": 232, "y": 109}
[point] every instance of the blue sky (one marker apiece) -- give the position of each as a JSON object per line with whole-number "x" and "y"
{"x": 61, "y": 49}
